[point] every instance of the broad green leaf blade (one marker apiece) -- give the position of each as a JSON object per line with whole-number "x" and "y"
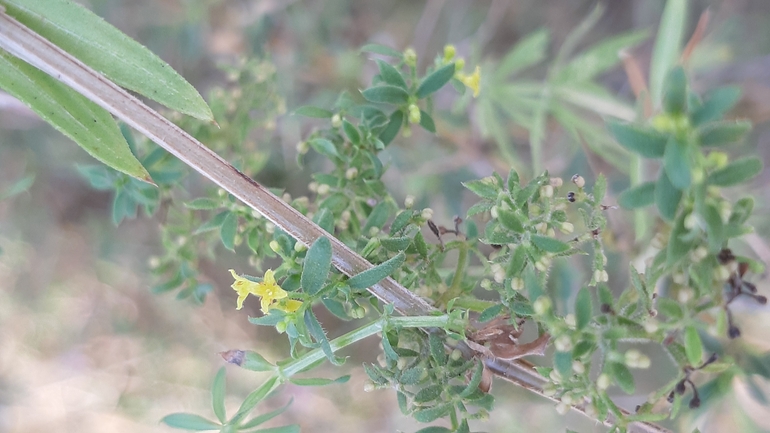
{"x": 667, "y": 197}
{"x": 549, "y": 244}
{"x": 622, "y": 377}
{"x": 372, "y": 276}
{"x": 676, "y": 161}
{"x": 106, "y": 49}
{"x": 675, "y": 91}
{"x": 668, "y": 45}
{"x": 391, "y": 75}
{"x": 720, "y": 133}
{"x": 228, "y": 230}
{"x": 583, "y": 308}
{"x": 736, "y": 172}
{"x": 510, "y": 221}
{"x": 714, "y": 227}
{"x": 490, "y": 313}
{"x": 90, "y": 126}
{"x": 527, "y": 52}
{"x": 218, "y": 395}
{"x": 188, "y": 421}
{"x": 316, "y": 266}
{"x": 318, "y": 334}
{"x": 324, "y": 147}
{"x": 643, "y": 140}
{"x": 386, "y": 95}
{"x": 426, "y": 121}
{"x": 639, "y": 196}
{"x": 310, "y": 111}
{"x": 693, "y": 346}
{"x": 436, "y": 80}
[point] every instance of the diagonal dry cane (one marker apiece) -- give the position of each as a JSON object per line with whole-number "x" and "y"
{"x": 27, "y": 45}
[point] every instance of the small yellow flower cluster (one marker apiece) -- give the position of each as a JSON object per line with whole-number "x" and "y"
{"x": 268, "y": 290}
{"x": 472, "y": 81}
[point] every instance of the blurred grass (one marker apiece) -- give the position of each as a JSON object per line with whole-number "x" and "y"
{"x": 85, "y": 346}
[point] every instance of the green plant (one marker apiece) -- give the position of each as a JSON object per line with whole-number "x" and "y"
{"x": 441, "y": 354}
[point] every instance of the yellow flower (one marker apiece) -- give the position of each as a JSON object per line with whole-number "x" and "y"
{"x": 287, "y": 305}
{"x": 268, "y": 290}
{"x": 472, "y": 81}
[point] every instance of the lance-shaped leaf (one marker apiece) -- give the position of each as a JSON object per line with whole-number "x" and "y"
{"x": 372, "y": 276}
{"x": 87, "y": 124}
{"x": 643, "y": 140}
{"x": 583, "y": 308}
{"x": 549, "y": 244}
{"x": 435, "y": 80}
{"x": 720, "y": 133}
{"x": 391, "y": 129}
{"x": 675, "y": 91}
{"x": 218, "y": 395}
{"x": 736, "y": 172}
{"x": 639, "y": 196}
{"x": 386, "y": 94}
{"x": 391, "y": 75}
{"x": 667, "y": 197}
{"x": 310, "y": 111}
{"x": 189, "y": 421}
{"x": 106, "y": 49}
{"x": 676, "y": 161}
{"x": 316, "y": 266}
{"x": 716, "y": 103}
{"x": 693, "y": 346}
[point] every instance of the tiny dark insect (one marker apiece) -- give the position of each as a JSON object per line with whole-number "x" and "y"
{"x": 571, "y": 197}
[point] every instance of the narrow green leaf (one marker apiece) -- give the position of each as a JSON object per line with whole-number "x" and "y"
{"x": 473, "y": 384}
{"x": 386, "y": 94}
{"x": 736, "y": 172}
{"x": 188, "y": 421}
{"x": 218, "y": 395}
{"x": 381, "y": 49}
{"x": 643, "y": 140}
{"x": 202, "y": 203}
{"x": 437, "y": 350}
{"x": 18, "y": 187}
{"x": 517, "y": 263}
{"x": 742, "y": 210}
{"x": 490, "y": 313}
{"x": 693, "y": 346}
{"x": 391, "y": 75}
{"x": 600, "y": 188}
{"x": 426, "y": 121}
{"x": 668, "y": 46}
{"x": 325, "y": 219}
{"x": 549, "y": 244}
{"x": 530, "y": 50}
{"x": 716, "y": 103}
{"x": 318, "y": 381}
{"x": 429, "y": 393}
{"x": 600, "y": 57}
{"x": 622, "y": 377}
{"x": 324, "y": 147}
{"x": 265, "y": 417}
{"x": 315, "y": 268}
{"x": 318, "y": 334}
{"x": 387, "y": 348}
{"x": 482, "y": 206}
{"x": 351, "y": 132}
{"x": 677, "y": 246}
{"x": 509, "y": 220}
{"x": 379, "y": 216}
{"x": 484, "y": 188}
{"x": 724, "y": 132}
{"x": 394, "y": 125}
{"x": 676, "y": 161}
{"x": 228, "y": 230}
{"x": 373, "y": 276}
{"x": 675, "y": 91}
{"x": 670, "y": 308}
{"x": 310, "y": 111}
{"x": 434, "y": 429}
{"x": 562, "y": 361}
{"x": 254, "y": 398}
{"x": 433, "y": 413}
{"x": 401, "y": 220}
{"x": 583, "y": 308}
{"x": 87, "y": 124}
{"x": 714, "y": 227}
{"x": 435, "y": 80}
{"x": 639, "y": 196}
{"x": 667, "y": 197}
{"x": 106, "y": 49}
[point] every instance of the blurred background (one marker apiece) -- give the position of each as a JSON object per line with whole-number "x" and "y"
{"x": 85, "y": 346}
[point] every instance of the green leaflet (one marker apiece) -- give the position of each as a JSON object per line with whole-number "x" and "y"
{"x": 90, "y": 126}
{"x": 106, "y": 49}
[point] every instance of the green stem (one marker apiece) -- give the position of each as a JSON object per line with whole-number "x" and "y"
{"x": 282, "y": 374}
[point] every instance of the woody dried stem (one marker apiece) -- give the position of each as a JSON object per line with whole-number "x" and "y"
{"x": 24, "y": 43}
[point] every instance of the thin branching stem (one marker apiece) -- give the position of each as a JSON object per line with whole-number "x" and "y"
{"x": 24, "y": 43}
